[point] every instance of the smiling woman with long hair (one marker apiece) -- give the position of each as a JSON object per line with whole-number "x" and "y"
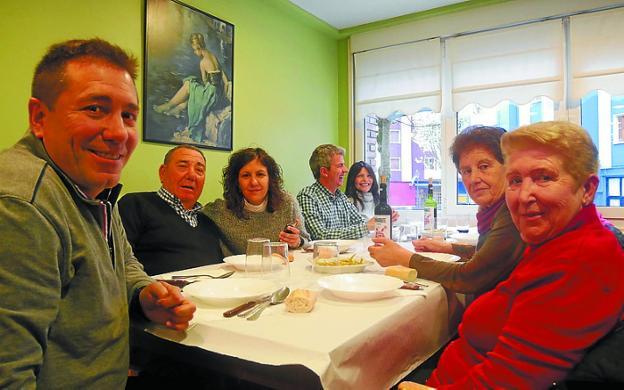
{"x": 255, "y": 204}
{"x": 362, "y": 188}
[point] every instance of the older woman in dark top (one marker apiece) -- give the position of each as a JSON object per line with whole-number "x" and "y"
{"x": 477, "y": 155}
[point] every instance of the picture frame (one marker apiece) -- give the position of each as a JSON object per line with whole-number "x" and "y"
{"x": 188, "y": 78}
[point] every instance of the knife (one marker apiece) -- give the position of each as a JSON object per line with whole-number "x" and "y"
{"x": 245, "y": 306}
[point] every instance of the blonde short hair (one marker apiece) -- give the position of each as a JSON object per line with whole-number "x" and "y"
{"x": 321, "y": 157}
{"x": 572, "y": 142}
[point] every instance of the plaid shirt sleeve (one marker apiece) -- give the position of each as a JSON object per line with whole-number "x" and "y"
{"x": 330, "y": 217}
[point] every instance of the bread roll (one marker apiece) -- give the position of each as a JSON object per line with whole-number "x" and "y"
{"x": 401, "y": 272}
{"x": 300, "y": 301}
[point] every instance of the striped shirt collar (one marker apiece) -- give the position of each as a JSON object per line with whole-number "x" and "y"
{"x": 188, "y": 216}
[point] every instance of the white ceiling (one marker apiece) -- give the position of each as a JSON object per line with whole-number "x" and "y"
{"x": 349, "y": 13}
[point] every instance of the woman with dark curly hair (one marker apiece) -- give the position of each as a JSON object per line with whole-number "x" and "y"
{"x": 255, "y": 203}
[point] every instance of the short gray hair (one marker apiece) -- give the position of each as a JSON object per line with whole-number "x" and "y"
{"x": 182, "y": 146}
{"x": 321, "y": 157}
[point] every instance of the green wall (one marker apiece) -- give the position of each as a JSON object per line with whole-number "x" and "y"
{"x": 286, "y": 77}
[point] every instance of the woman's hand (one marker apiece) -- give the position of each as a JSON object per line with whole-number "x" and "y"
{"x": 291, "y": 235}
{"x": 388, "y": 252}
{"x": 432, "y": 245}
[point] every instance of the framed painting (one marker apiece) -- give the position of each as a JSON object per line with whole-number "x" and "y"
{"x": 188, "y": 76}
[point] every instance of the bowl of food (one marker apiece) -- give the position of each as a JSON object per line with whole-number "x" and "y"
{"x": 340, "y": 264}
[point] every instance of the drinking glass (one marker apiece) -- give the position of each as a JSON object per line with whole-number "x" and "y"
{"x": 397, "y": 233}
{"x": 437, "y": 234}
{"x": 325, "y": 250}
{"x": 463, "y": 223}
{"x": 275, "y": 262}
{"x": 253, "y": 258}
{"x": 412, "y": 231}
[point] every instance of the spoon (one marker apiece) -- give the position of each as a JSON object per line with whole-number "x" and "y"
{"x": 277, "y": 297}
{"x": 222, "y": 276}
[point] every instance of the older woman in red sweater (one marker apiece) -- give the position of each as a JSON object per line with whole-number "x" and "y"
{"x": 566, "y": 292}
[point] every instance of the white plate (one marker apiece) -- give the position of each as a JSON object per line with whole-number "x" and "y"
{"x": 466, "y": 238}
{"x": 228, "y": 292}
{"x": 361, "y": 287}
{"x": 343, "y": 245}
{"x": 440, "y": 256}
{"x": 238, "y": 261}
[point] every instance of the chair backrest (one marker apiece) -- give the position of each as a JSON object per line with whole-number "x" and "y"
{"x": 604, "y": 362}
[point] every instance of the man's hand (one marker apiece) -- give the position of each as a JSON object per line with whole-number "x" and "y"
{"x": 388, "y": 252}
{"x": 164, "y": 304}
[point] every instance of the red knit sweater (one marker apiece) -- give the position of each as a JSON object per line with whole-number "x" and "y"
{"x": 534, "y": 327}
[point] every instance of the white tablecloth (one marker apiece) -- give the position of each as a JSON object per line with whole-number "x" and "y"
{"x": 348, "y": 344}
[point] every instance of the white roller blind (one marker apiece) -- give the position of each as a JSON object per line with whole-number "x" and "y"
{"x": 597, "y": 53}
{"x": 517, "y": 64}
{"x": 403, "y": 78}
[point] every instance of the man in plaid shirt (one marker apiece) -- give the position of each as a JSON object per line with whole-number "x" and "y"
{"x": 327, "y": 212}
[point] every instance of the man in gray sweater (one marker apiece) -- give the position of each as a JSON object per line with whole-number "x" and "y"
{"x": 68, "y": 278}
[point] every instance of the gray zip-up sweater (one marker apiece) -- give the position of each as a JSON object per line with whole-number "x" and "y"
{"x": 64, "y": 291}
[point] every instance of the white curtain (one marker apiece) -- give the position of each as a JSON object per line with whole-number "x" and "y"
{"x": 597, "y": 53}
{"x": 403, "y": 78}
{"x": 517, "y": 64}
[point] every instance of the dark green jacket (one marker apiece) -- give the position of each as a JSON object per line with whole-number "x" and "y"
{"x": 63, "y": 295}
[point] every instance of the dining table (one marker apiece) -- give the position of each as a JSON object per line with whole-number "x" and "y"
{"x": 340, "y": 344}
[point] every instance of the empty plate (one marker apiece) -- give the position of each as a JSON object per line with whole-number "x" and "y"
{"x": 228, "y": 292}
{"x": 440, "y": 256}
{"x": 361, "y": 287}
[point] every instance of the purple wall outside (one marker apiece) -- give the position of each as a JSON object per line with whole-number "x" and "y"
{"x": 401, "y": 194}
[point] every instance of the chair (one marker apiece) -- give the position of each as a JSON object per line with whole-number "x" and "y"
{"x": 602, "y": 366}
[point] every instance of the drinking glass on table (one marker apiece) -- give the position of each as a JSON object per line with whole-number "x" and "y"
{"x": 255, "y": 250}
{"x": 275, "y": 262}
{"x": 463, "y": 224}
{"x": 325, "y": 251}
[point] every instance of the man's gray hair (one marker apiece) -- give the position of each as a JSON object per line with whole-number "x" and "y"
{"x": 321, "y": 157}
{"x": 182, "y": 146}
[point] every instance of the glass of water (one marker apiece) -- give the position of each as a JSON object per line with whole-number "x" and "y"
{"x": 253, "y": 256}
{"x": 275, "y": 262}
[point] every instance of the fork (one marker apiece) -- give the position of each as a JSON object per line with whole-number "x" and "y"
{"x": 181, "y": 283}
{"x": 222, "y": 276}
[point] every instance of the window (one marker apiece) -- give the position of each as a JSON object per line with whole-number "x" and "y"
{"x": 395, "y": 136}
{"x": 615, "y": 191}
{"x": 422, "y": 93}
{"x": 618, "y": 127}
{"x": 507, "y": 115}
{"x": 603, "y": 117}
{"x": 413, "y": 160}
